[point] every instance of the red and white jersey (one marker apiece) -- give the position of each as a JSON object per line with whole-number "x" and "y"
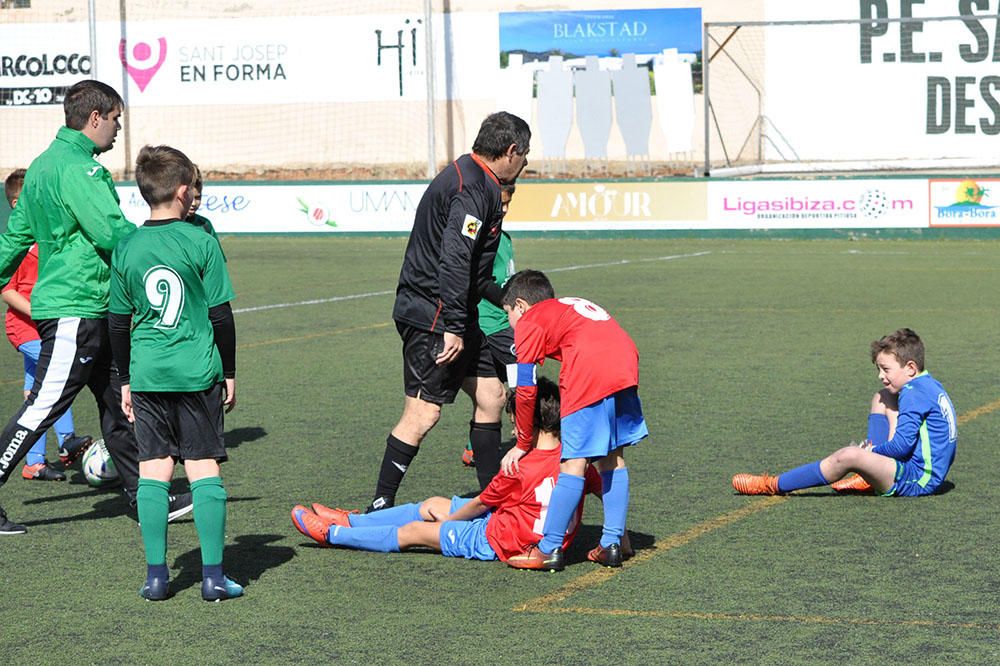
{"x": 521, "y": 501}
{"x": 20, "y": 327}
{"x": 598, "y": 357}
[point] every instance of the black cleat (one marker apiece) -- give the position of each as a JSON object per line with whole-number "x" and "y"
{"x": 608, "y": 557}
{"x": 213, "y": 589}
{"x": 155, "y": 589}
{"x": 8, "y": 528}
{"x": 72, "y": 448}
{"x": 381, "y": 502}
{"x": 179, "y": 505}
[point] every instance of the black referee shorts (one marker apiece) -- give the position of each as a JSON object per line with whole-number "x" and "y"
{"x": 439, "y": 384}
{"x": 182, "y": 426}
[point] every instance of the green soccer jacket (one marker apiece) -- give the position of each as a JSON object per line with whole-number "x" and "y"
{"x": 70, "y": 207}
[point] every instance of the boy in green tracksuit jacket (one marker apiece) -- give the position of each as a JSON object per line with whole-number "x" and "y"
{"x": 70, "y": 208}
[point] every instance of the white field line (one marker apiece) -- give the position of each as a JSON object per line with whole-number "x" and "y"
{"x": 622, "y": 262}
{"x": 353, "y": 297}
{"x": 314, "y": 301}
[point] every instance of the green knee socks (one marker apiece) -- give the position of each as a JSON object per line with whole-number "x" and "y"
{"x": 209, "y": 499}
{"x": 153, "y": 504}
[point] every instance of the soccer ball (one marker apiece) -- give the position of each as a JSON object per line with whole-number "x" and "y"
{"x": 98, "y": 466}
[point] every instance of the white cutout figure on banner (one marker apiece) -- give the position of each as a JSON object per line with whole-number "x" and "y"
{"x": 555, "y": 108}
{"x": 593, "y": 108}
{"x": 632, "y": 106}
{"x": 675, "y": 100}
{"x": 514, "y": 87}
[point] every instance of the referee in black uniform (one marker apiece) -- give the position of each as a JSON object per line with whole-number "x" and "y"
{"x": 447, "y": 269}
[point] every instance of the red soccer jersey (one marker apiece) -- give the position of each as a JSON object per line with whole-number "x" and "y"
{"x": 20, "y": 327}
{"x": 520, "y": 502}
{"x": 598, "y": 357}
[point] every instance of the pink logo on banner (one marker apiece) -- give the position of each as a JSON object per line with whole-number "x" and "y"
{"x": 141, "y": 55}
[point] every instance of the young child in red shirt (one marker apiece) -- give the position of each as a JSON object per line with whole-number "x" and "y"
{"x": 24, "y": 336}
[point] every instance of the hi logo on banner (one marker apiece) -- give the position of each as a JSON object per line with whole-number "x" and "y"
{"x": 139, "y": 62}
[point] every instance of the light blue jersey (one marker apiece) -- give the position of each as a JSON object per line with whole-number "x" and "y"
{"x": 925, "y": 437}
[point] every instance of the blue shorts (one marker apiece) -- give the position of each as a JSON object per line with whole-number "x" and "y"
{"x": 600, "y": 428}
{"x": 466, "y": 538}
{"x": 31, "y": 350}
{"x": 908, "y": 482}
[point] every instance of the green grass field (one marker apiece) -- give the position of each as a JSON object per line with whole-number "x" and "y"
{"x": 754, "y": 357}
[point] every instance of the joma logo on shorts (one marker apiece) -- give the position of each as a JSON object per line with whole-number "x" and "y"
{"x": 12, "y": 448}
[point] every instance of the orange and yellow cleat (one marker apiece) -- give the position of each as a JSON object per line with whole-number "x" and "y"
{"x": 333, "y": 516}
{"x": 310, "y": 525}
{"x": 852, "y": 484}
{"x": 756, "y": 484}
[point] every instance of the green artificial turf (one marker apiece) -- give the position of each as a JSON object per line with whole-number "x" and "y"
{"x": 754, "y": 357}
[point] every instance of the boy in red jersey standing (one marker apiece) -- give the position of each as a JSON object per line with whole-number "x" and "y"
{"x": 600, "y": 414}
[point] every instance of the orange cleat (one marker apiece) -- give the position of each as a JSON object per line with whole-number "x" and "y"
{"x": 536, "y": 559}
{"x": 468, "y": 458}
{"x": 852, "y": 484}
{"x": 333, "y": 516}
{"x": 311, "y": 525}
{"x": 755, "y": 484}
{"x": 42, "y": 471}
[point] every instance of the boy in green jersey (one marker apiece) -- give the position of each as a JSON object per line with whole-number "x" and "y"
{"x": 493, "y": 320}
{"x": 193, "y": 217}
{"x": 174, "y": 342}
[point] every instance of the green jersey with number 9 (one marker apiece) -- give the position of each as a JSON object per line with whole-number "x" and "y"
{"x": 167, "y": 275}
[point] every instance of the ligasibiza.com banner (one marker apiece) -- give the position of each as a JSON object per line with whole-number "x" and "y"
{"x": 817, "y": 204}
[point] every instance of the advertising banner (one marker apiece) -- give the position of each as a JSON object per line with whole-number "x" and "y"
{"x": 964, "y": 202}
{"x": 817, "y": 204}
{"x": 610, "y": 205}
{"x": 924, "y": 88}
{"x": 390, "y": 207}
{"x": 287, "y": 60}
{"x": 297, "y": 208}
{"x": 38, "y": 65}
{"x": 610, "y": 32}
{"x": 607, "y": 205}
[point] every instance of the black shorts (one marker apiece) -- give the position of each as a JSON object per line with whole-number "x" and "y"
{"x": 501, "y": 348}
{"x": 424, "y": 378}
{"x": 182, "y": 426}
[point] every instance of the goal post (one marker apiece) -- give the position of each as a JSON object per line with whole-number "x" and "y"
{"x": 867, "y": 94}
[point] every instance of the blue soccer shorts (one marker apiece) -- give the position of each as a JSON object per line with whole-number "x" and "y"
{"x": 466, "y": 538}
{"x": 908, "y": 482}
{"x": 598, "y": 429}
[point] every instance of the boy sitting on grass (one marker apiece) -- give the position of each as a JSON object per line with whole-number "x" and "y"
{"x": 917, "y": 456}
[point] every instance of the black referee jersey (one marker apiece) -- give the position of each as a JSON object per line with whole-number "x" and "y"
{"x": 449, "y": 258}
